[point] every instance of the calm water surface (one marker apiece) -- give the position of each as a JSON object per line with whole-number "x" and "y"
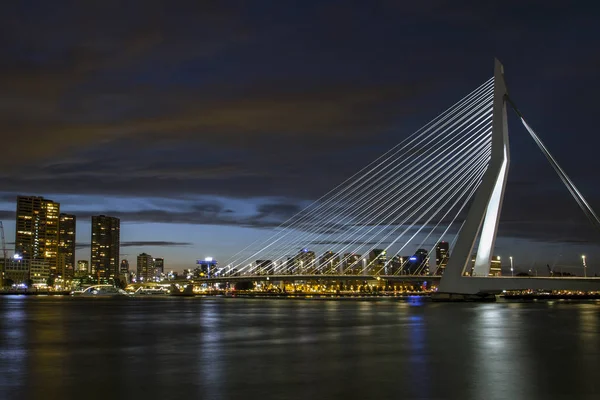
{"x": 191, "y": 348}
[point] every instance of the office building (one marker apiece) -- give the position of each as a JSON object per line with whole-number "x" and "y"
{"x": 15, "y": 270}
{"x": 105, "y": 246}
{"x": 418, "y": 263}
{"x": 39, "y": 271}
{"x": 495, "y": 266}
{"x": 205, "y": 268}
{"x": 145, "y": 268}
{"x": 66, "y": 245}
{"x": 36, "y": 233}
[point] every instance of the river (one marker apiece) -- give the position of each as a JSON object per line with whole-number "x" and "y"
{"x": 212, "y": 348}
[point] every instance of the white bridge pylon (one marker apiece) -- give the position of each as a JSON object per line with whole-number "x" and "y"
{"x": 484, "y": 215}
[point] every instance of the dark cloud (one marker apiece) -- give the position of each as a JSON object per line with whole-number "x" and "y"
{"x": 205, "y": 213}
{"x": 158, "y": 243}
{"x": 7, "y": 215}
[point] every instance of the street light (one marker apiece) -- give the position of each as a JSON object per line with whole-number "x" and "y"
{"x": 584, "y": 266}
{"x": 511, "y": 266}
{"x": 364, "y": 266}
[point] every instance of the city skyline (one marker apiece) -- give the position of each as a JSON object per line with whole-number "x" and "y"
{"x": 322, "y": 251}
{"x": 198, "y": 156}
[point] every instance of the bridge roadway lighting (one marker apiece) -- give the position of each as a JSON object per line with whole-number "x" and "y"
{"x": 511, "y": 266}
{"x": 584, "y": 266}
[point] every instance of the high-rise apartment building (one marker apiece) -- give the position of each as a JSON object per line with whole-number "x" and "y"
{"x": 37, "y": 230}
{"x": 145, "y": 267}
{"x": 105, "y": 246}
{"x": 66, "y": 245}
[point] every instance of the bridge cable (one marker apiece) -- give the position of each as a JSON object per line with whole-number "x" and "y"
{"x": 286, "y": 225}
{"x": 575, "y": 193}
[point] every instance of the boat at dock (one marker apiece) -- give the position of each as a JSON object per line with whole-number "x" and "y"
{"x": 100, "y": 291}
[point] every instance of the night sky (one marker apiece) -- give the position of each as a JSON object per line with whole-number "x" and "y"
{"x": 203, "y": 124}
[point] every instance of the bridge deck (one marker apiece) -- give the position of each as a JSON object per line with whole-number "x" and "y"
{"x": 490, "y": 284}
{"x": 286, "y": 278}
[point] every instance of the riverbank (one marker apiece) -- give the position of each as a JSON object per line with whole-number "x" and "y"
{"x": 36, "y": 293}
{"x": 543, "y": 296}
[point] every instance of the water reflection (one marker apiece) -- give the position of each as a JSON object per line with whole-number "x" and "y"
{"x": 500, "y": 354}
{"x": 224, "y": 348}
{"x": 13, "y": 345}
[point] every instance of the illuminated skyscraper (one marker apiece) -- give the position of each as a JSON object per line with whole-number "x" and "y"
{"x": 105, "y": 246}
{"x": 66, "y": 245}
{"x": 442, "y": 253}
{"x": 36, "y": 235}
{"x": 145, "y": 267}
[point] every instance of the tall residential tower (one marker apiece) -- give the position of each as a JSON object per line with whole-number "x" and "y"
{"x": 105, "y": 246}
{"x": 36, "y": 236}
{"x": 145, "y": 267}
{"x": 66, "y": 245}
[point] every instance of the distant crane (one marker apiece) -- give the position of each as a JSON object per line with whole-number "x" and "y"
{"x": 3, "y": 242}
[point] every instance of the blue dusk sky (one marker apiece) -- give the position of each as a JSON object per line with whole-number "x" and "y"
{"x": 204, "y": 124}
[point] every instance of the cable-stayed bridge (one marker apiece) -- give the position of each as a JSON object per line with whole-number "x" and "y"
{"x": 427, "y": 209}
